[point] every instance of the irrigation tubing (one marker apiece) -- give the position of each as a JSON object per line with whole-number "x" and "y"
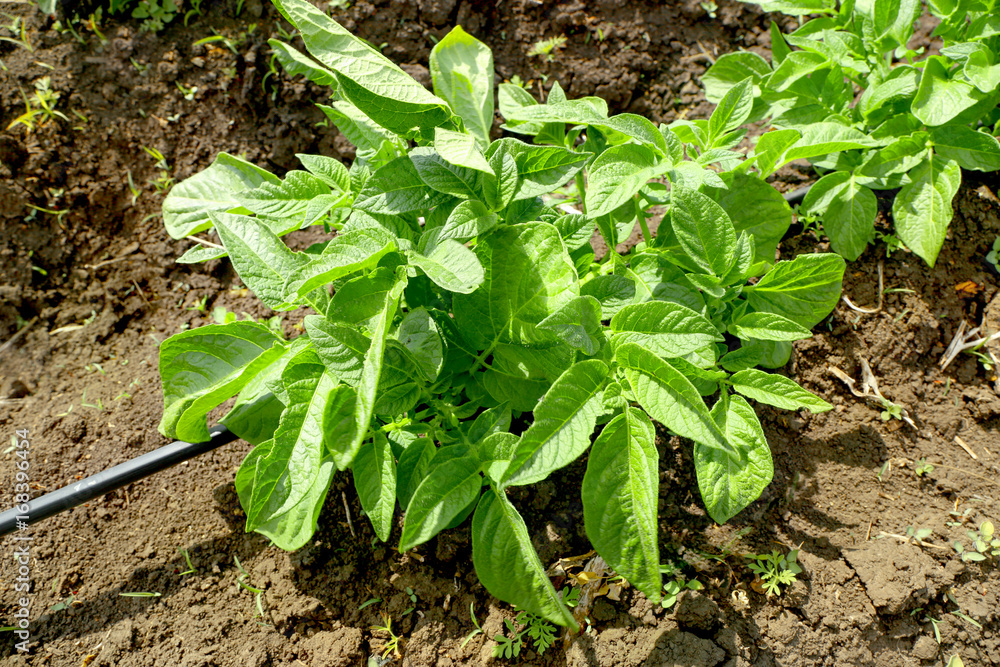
{"x": 113, "y": 478}
{"x": 148, "y": 464}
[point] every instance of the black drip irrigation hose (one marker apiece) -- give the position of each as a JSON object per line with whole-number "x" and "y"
{"x": 97, "y": 485}
{"x": 143, "y": 466}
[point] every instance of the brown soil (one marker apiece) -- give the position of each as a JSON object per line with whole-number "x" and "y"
{"x": 98, "y": 285}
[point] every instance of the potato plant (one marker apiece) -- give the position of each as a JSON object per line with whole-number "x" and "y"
{"x": 893, "y": 120}
{"x": 464, "y": 339}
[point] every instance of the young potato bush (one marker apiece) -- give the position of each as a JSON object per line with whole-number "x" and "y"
{"x": 884, "y": 119}
{"x": 472, "y": 341}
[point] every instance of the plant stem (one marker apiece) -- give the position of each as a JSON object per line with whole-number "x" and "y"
{"x": 581, "y": 189}
{"x": 639, "y": 213}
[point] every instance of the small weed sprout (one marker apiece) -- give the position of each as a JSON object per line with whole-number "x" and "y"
{"x": 155, "y": 14}
{"x": 395, "y": 643}
{"x": 676, "y": 584}
{"x": 541, "y": 632}
{"x": 710, "y": 8}
{"x": 985, "y": 544}
{"x": 923, "y": 468}
{"x": 40, "y": 108}
{"x": 478, "y": 629}
{"x": 191, "y": 569}
{"x": 891, "y": 411}
{"x": 546, "y": 47}
{"x": 242, "y": 583}
{"x": 774, "y": 569}
{"x": 991, "y": 256}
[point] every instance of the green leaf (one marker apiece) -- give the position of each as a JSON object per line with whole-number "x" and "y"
{"x": 664, "y": 328}
{"x": 496, "y": 451}
{"x": 412, "y": 467}
{"x": 499, "y": 190}
{"x": 288, "y": 471}
{"x": 443, "y": 176}
{"x": 618, "y": 174}
{"x": 462, "y": 71}
{"x": 375, "y": 144}
{"x": 292, "y": 529}
{"x": 451, "y": 266}
{"x": 728, "y": 482}
{"x": 970, "y": 149}
{"x": 201, "y": 368}
{"x": 776, "y": 390}
{"x": 767, "y": 326}
{"x": 668, "y": 396}
{"x": 848, "y": 211}
{"x": 541, "y": 169}
{"x": 361, "y": 300}
{"x": 419, "y": 334}
{"x": 329, "y": 170}
{"x": 770, "y": 147}
{"x": 562, "y": 425}
{"x": 346, "y": 254}
{"x": 703, "y": 230}
{"x": 255, "y": 414}
{"x": 922, "y": 210}
{"x": 340, "y": 346}
{"x": 200, "y": 253}
{"x": 795, "y": 67}
{"x": 825, "y": 138}
{"x": 940, "y": 98}
{"x": 446, "y": 490}
{"x": 370, "y": 374}
{"x": 372, "y": 82}
{"x": 731, "y": 69}
{"x": 528, "y": 276}
{"x": 261, "y": 259}
{"x": 578, "y": 324}
{"x": 467, "y": 220}
{"x": 620, "y": 496}
{"x": 289, "y": 200}
{"x": 733, "y": 110}
{"x": 295, "y": 63}
{"x": 507, "y": 564}
{"x": 981, "y": 70}
{"x": 804, "y": 290}
{"x": 461, "y": 149}
{"x": 375, "y": 479}
{"x": 614, "y": 292}
{"x": 493, "y": 420}
{"x": 398, "y": 186}
{"x": 186, "y": 208}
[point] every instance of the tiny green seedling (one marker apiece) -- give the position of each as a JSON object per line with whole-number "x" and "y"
{"x": 191, "y": 569}
{"x": 891, "y": 411}
{"x": 413, "y": 600}
{"x": 985, "y": 544}
{"x": 187, "y": 91}
{"x": 368, "y": 603}
{"x": 478, "y": 629}
{"x": 541, "y": 632}
{"x": 676, "y": 584}
{"x": 200, "y": 305}
{"x": 242, "y": 583}
{"x": 923, "y": 468}
{"x": 991, "y": 256}
{"x": 395, "y": 643}
{"x": 775, "y": 569}
{"x": 546, "y": 47}
{"x": 929, "y": 619}
{"x": 709, "y": 8}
